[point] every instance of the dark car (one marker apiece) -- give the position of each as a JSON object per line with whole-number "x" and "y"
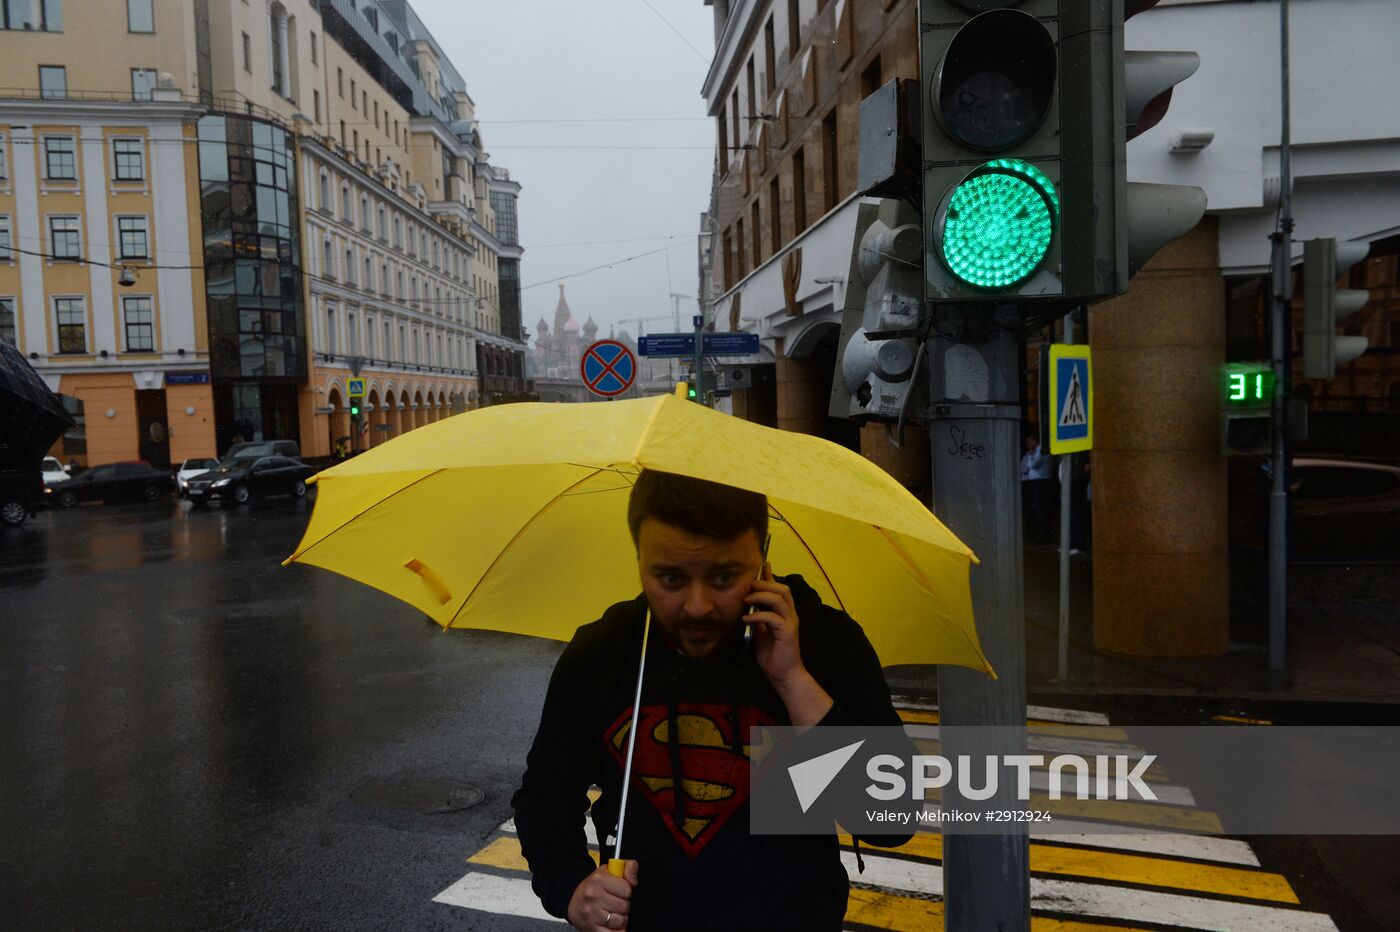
{"x": 247, "y": 477}
{"x": 113, "y": 482}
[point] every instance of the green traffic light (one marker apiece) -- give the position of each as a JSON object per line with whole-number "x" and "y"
{"x": 354, "y": 410}
{"x": 998, "y": 224}
{"x": 690, "y": 393}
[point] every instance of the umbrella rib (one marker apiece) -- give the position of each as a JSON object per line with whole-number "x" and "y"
{"x": 516, "y": 536}
{"x": 928, "y": 585}
{"x": 801, "y": 540}
{"x": 355, "y": 517}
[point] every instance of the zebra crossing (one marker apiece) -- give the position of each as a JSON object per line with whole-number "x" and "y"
{"x": 1083, "y": 882}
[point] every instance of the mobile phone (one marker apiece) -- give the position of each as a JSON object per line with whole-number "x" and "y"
{"x": 748, "y": 629}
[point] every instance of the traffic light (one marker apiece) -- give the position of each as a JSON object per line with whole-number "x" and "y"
{"x": 1025, "y": 195}
{"x": 355, "y": 409}
{"x": 879, "y": 344}
{"x": 1325, "y": 306}
{"x": 690, "y": 391}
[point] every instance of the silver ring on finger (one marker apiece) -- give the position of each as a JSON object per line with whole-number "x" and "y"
{"x": 607, "y": 921}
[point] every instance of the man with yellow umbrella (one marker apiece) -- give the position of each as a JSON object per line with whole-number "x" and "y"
{"x": 692, "y": 862}
{"x": 457, "y": 517}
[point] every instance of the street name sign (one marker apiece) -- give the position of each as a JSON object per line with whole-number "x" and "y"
{"x": 735, "y": 343}
{"x": 1072, "y": 397}
{"x": 608, "y": 368}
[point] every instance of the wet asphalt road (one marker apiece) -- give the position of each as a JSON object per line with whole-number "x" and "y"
{"x": 183, "y": 722}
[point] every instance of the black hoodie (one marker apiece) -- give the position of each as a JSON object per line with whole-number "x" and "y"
{"x": 699, "y": 868}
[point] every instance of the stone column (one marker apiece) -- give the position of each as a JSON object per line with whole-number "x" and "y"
{"x": 284, "y": 58}
{"x": 1161, "y": 558}
{"x": 909, "y": 463}
{"x": 804, "y": 393}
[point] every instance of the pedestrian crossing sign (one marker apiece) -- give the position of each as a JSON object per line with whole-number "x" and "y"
{"x": 356, "y": 388}
{"x": 1072, "y": 392}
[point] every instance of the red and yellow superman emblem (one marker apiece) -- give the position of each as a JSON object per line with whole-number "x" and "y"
{"x": 715, "y": 780}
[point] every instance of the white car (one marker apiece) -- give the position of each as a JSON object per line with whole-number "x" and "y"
{"x": 54, "y": 471}
{"x": 189, "y": 469}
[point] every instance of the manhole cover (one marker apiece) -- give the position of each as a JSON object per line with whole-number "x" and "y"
{"x": 424, "y": 796}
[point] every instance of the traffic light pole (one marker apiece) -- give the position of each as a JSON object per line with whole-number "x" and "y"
{"x": 1282, "y": 307}
{"x": 976, "y": 451}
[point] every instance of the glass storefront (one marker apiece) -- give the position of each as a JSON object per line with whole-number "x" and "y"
{"x": 252, "y": 258}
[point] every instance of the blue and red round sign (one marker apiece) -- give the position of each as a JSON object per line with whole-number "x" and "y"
{"x": 608, "y": 368}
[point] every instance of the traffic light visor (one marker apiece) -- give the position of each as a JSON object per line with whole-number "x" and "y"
{"x": 996, "y": 81}
{"x": 996, "y": 226}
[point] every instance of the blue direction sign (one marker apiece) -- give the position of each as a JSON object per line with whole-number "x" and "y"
{"x": 729, "y": 344}
{"x": 667, "y": 344}
{"x": 1071, "y": 391}
{"x": 711, "y": 344}
{"x": 608, "y": 368}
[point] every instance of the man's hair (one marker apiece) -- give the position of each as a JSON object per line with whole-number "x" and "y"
{"x": 696, "y": 506}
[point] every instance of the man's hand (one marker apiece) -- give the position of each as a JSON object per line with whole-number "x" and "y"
{"x": 602, "y": 901}
{"x": 778, "y": 651}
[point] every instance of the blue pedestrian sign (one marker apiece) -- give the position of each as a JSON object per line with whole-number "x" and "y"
{"x": 355, "y": 388}
{"x": 608, "y": 368}
{"x": 1072, "y": 397}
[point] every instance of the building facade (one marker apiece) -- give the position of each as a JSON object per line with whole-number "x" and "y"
{"x": 213, "y": 212}
{"x": 783, "y": 88}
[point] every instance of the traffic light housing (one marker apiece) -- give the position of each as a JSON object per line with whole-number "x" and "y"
{"x": 1026, "y": 197}
{"x": 1325, "y": 306}
{"x": 992, "y": 150}
{"x": 355, "y": 409}
{"x": 876, "y": 371}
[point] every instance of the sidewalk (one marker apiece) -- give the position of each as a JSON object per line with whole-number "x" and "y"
{"x": 1343, "y": 637}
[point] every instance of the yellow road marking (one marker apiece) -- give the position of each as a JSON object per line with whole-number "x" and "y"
{"x": 1241, "y": 720}
{"x": 1126, "y": 868}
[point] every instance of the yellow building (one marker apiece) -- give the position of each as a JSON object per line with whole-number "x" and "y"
{"x": 167, "y": 195}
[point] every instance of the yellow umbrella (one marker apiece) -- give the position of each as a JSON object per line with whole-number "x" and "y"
{"x": 513, "y": 518}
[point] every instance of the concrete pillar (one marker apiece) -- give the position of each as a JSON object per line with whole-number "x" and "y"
{"x": 804, "y": 393}
{"x": 1161, "y": 558}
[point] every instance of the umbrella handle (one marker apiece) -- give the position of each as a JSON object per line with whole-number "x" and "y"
{"x": 617, "y": 867}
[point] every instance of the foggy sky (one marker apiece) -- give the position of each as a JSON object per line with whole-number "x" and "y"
{"x": 552, "y": 60}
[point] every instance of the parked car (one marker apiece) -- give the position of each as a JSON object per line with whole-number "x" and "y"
{"x": 21, "y": 491}
{"x": 249, "y": 477}
{"x": 1345, "y": 506}
{"x": 189, "y": 469}
{"x": 112, "y": 482}
{"x": 54, "y": 471}
{"x": 288, "y": 448}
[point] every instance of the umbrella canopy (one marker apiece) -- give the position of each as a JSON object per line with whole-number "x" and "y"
{"x": 513, "y": 518}
{"x": 31, "y": 416}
